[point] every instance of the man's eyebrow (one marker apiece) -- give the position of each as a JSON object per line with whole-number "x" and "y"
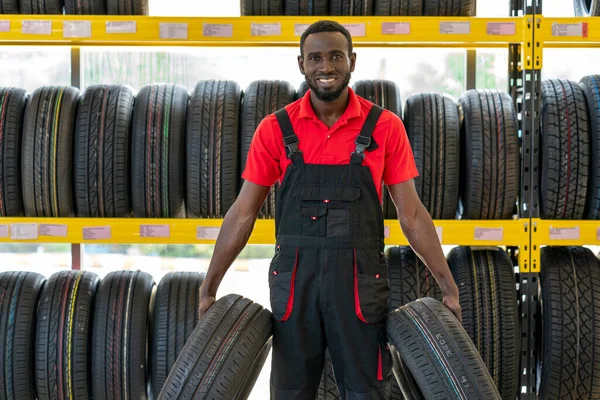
{"x": 318, "y": 53}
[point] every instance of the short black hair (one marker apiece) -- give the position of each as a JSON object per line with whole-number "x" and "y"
{"x": 325, "y": 26}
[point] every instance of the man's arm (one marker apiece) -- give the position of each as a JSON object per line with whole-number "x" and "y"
{"x": 418, "y": 227}
{"x": 233, "y": 237}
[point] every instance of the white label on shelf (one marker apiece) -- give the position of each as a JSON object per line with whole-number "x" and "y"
{"x": 24, "y": 231}
{"x": 564, "y": 233}
{"x": 598, "y": 234}
{"x": 272, "y": 29}
{"x": 37, "y": 27}
{"x": 567, "y": 29}
{"x": 3, "y": 231}
{"x": 173, "y": 31}
{"x": 439, "y": 230}
{"x": 207, "y": 232}
{"x": 77, "y": 29}
{"x": 501, "y": 28}
{"x": 386, "y": 231}
{"x": 55, "y": 230}
{"x": 121, "y": 27}
{"x": 496, "y": 234}
{"x": 299, "y": 29}
{"x": 4, "y": 26}
{"x": 395, "y": 28}
{"x": 356, "y": 29}
{"x": 155, "y": 231}
{"x": 217, "y": 30}
{"x": 97, "y": 233}
{"x": 455, "y": 28}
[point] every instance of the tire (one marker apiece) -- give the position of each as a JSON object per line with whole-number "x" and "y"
{"x": 175, "y": 317}
{"x": 399, "y": 7}
{"x": 433, "y": 129}
{"x": 261, "y": 7}
{"x": 46, "y": 152}
{"x": 355, "y": 7}
{"x": 41, "y": 6}
{"x": 158, "y": 190}
{"x": 302, "y": 89}
{"x": 591, "y": 91}
{"x": 565, "y": 150}
{"x": 101, "y": 152}
{"x": 586, "y": 8}
{"x": 570, "y": 315}
{"x": 328, "y": 388}
{"x": 262, "y": 98}
{"x": 212, "y": 149}
{"x": 120, "y": 335}
{"x": 19, "y": 294}
{"x": 238, "y": 332}
{"x": 437, "y": 365}
{"x": 12, "y": 111}
{"x": 9, "y": 7}
{"x": 62, "y": 343}
{"x": 489, "y": 175}
{"x": 127, "y": 7}
{"x": 448, "y": 8}
{"x": 404, "y": 386}
{"x": 85, "y": 7}
{"x": 306, "y": 7}
{"x": 488, "y": 299}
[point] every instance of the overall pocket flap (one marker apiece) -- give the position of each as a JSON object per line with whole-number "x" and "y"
{"x": 329, "y": 192}
{"x": 372, "y": 297}
{"x": 316, "y": 211}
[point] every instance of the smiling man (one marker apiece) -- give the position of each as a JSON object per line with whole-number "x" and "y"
{"x": 331, "y": 152}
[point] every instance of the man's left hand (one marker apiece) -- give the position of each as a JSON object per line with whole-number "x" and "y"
{"x": 452, "y": 303}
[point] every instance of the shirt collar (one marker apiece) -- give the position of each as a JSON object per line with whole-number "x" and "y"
{"x": 352, "y": 110}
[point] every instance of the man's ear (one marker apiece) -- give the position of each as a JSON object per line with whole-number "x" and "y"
{"x": 352, "y": 61}
{"x": 301, "y": 64}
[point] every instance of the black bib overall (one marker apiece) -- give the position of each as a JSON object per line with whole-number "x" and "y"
{"x": 329, "y": 278}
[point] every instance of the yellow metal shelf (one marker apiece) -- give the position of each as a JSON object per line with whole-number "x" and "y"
{"x": 567, "y": 32}
{"x": 256, "y": 31}
{"x": 196, "y": 231}
{"x": 565, "y": 232}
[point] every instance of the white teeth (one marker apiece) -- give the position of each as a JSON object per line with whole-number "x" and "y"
{"x": 326, "y": 80}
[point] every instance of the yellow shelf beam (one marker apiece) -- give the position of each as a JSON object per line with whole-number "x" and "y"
{"x": 566, "y": 233}
{"x": 464, "y": 32}
{"x": 567, "y": 32}
{"x": 198, "y": 231}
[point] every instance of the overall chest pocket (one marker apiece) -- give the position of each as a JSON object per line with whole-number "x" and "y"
{"x": 326, "y": 209}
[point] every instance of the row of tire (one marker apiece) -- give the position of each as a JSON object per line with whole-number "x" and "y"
{"x": 75, "y": 7}
{"x": 359, "y": 7}
{"x": 163, "y": 153}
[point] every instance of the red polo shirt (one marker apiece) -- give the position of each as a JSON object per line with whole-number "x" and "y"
{"x": 391, "y": 163}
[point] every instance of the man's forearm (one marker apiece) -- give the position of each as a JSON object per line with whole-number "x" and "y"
{"x": 421, "y": 235}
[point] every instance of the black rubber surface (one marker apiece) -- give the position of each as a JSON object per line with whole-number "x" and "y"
{"x": 399, "y": 7}
{"x": 404, "y": 385}
{"x": 120, "y": 367}
{"x": 306, "y": 7}
{"x": 175, "y": 317}
{"x": 9, "y": 7}
{"x": 41, "y": 6}
{"x": 488, "y": 299}
{"x": 62, "y": 344}
{"x": 225, "y": 353}
{"x": 101, "y": 152}
{"x": 47, "y": 152}
{"x": 565, "y": 150}
{"x": 586, "y": 8}
{"x": 158, "y": 151}
{"x": 354, "y": 7}
{"x": 127, "y": 7}
{"x": 489, "y": 175}
{"x": 261, "y": 7}
{"x": 570, "y": 308}
{"x": 591, "y": 90}
{"x": 212, "y": 148}
{"x": 302, "y": 89}
{"x": 12, "y": 110}
{"x": 19, "y": 294}
{"x": 439, "y": 353}
{"x": 262, "y": 98}
{"x": 328, "y": 389}
{"x": 85, "y": 7}
{"x": 433, "y": 129}
{"x": 448, "y": 8}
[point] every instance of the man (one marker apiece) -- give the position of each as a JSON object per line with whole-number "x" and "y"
{"x": 331, "y": 150}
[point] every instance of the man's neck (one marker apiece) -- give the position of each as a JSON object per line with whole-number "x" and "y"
{"x": 330, "y": 111}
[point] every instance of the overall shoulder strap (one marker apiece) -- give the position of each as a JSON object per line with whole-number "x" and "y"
{"x": 290, "y": 140}
{"x": 363, "y": 140}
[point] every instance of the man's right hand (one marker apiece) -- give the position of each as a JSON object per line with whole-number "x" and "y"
{"x": 205, "y": 303}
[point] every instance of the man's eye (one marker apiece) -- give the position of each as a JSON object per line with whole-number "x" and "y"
{"x": 337, "y": 57}
{"x": 314, "y": 58}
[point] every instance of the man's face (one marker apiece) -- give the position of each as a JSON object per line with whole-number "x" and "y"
{"x": 326, "y": 64}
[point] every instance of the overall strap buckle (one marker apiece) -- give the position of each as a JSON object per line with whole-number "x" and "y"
{"x": 290, "y": 140}
{"x": 363, "y": 140}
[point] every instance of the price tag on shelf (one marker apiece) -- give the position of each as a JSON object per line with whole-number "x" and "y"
{"x": 299, "y": 29}
{"x": 439, "y": 231}
{"x": 598, "y": 234}
{"x": 54, "y": 230}
{"x": 501, "y": 28}
{"x": 217, "y": 30}
{"x": 455, "y": 28}
{"x": 207, "y": 232}
{"x": 576, "y": 30}
{"x": 24, "y": 231}
{"x": 173, "y": 31}
{"x": 155, "y": 231}
{"x": 4, "y": 26}
{"x": 272, "y": 29}
{"x": 77, "y": 29}
{"x": 386, "y": 231}
{"x": 356, "y": 30}
{"x": 121, "y": 27}
{"x": 37, "y": 27}
{"x": 495, "y": 234}
{"x": 564, "y": 233}
{"x": 3, "y": 231}
{"x": 395, "y": 28}
{"x": 97, "y": 233}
